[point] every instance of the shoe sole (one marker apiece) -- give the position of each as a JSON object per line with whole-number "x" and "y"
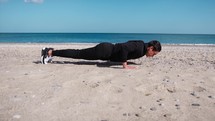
{"x": 43, "y": 53}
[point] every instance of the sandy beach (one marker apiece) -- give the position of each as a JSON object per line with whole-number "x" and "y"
{"x": 178, "y": 84}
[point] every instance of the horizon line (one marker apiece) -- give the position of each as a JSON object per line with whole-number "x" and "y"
{"x": 101, "y": 33}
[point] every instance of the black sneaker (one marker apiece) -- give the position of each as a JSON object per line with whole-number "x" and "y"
{"x": 44, "y": 55}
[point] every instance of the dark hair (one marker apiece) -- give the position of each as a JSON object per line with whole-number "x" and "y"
{"x": 156, "y": 45}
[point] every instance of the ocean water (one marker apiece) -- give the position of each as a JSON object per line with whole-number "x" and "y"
{"x": 105, "y": 37}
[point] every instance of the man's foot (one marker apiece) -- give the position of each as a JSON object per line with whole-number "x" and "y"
{"x": 45, "y": 58}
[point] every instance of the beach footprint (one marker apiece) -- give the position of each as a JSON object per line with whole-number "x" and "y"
{"x": 167, "y": 85}
{"x": 147, "y": 90}
{"x": 116, "y": 90}
{"x": 198, "y": 89}
{"x": 94, "y": 85}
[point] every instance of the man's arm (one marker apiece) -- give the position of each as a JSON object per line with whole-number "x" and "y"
{"x": 126, "y": 66}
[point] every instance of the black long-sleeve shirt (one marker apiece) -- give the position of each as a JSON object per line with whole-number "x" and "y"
{"x": 130, "y": 50}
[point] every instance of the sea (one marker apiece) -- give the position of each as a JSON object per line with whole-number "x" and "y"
{"x": 202, "y": 39}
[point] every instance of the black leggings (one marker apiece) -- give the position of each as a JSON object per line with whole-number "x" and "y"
{"x": 101, "y": 51}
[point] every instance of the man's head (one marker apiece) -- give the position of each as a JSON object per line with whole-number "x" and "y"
{"x": 154, "y": 47}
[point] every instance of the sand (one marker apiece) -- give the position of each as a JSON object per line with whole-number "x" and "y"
{"x": 176, "y": 85}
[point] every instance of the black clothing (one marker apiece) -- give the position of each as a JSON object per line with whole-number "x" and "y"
{"x": 120, "y": 52}
{"x": 101, "y": 51}
{"x": 129, "y": 50}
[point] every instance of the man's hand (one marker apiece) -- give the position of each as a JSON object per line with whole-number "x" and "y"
{"x": 126, "y": 66}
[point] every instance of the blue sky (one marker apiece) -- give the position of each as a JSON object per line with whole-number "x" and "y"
{"x": 113, "y": 16}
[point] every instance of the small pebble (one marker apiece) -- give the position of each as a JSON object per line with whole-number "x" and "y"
{"x": 137, "y": 115}
{"x": 177, "y": 105}
{"x": 167, "y": 115}
{"x": 195, "y": 104}
{"x": 171, "y": 90}
{"x": 140, "y": 107}
{"x": 161, "y": 104}
{"x": 153, "y": 109}
{"x": 126, "y": 114}
{"x": 193, "y": 93}
{"x": 159, "y": 100}
{"x": 147, "y": 94}
{"x": 17, "y": 116}
{"x": 211, "y": 97}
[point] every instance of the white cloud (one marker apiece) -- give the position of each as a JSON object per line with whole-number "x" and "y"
{"x": 33, "y": 1}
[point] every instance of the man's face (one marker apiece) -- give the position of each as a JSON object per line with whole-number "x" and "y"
{"x": 151, "y": 52}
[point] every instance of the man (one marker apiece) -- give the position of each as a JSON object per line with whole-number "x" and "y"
{"x": 119, "y": 52}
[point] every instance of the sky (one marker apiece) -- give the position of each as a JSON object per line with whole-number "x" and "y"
{"x": 108, "y": 16}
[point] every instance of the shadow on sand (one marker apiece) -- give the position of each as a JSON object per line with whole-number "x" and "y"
{"x": 98, "y": 64}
